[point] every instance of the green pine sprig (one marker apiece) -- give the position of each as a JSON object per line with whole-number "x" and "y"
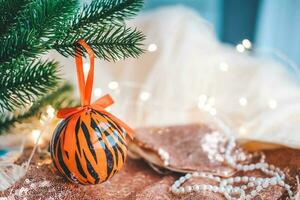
{"x": 38, "y": 26}
{"x": 113, "y": 43}
{"x": 17, "y": 90}
{"x": 106, "y": 12}
{"x": 59, "y": 98}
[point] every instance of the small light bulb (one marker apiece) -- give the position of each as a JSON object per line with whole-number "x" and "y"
{"x": 144, "y": 96}
{"x": 113, "y": 85}
{"x": 35, "y": 135}
{"x": 211, "y": 101}
{"x": 223, "y": 66}
{"x": 152, "y": 47}
{"x": 242, "y": 130}
{"x": 213, "y": 111}
{"x": 50, "y": 111}
{"x": 272, "y": 103}
{"x": 243, "y": 101}
{"x": 202, "y": 99}
{"x": 240, "y": 48}
{"x": 246, "y": 43}
{"x": 98, "y": 92}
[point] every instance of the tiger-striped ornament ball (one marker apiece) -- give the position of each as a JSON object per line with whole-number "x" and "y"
{"x": 96, "y": 151}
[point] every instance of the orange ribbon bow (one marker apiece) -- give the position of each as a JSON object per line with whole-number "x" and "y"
{"x": 86, "y": 91}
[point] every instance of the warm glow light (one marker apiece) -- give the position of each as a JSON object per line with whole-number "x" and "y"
{"x": 246, "y": 43}
{"x": 211, "y": 101}
{"x": 113, "y": 85}
{"x": 207, "y": 104}
{"x": 272, "y": 103}
{"x": 35, "y": 136}
{"x": 86, "y": 67}
{"x": 202, "y": 100}
{"x": 240, "y": 48}
{"x": 50, "y": 111}
{"x": 243, "y": 101}
{"x": 223, "y": 66}
{"x": 98, "y": 92}
{"x": 144, "y": 96}
{"x": 242, "y": 130}
{"x": 152, "y": 47}
{"x": 213, "y": 111}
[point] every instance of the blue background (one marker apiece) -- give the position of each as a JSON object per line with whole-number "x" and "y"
{"x": 272, "y": 25}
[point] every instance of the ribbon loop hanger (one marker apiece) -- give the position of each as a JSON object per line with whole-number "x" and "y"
{"x": 85, "y": 87}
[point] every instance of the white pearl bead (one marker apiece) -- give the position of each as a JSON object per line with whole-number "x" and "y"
{"x": 196, "y": 188}
{"x": 245, "y": 179}
{"x": 177, "y": 183}
{"x": 252, "y": 179}
{"x": 287, "y": 186}
{"x": 239, "y": 166}
{"x": 181, "y": 179}
{"x": 281, "y": 183}
{"x": 251, "y": 167}
{"x": 209, "y": 187}
{"x": 188, "y": 188}
{"x": 217, "y": 179}
{"x": 215, "y": 189}
{"x": 202, "y": 174}
{"x": 210, "y": 176}
{"x": 230, "y": 180}
{"x": 222, "y": 189}
{"x": 237, "y": 179}
{"x": 181, "y": 190}
{"x": 195, "y": 174}
{"x": 244, "y": 187}
{"x": 273, "y": 181}
{"x": 187, "y": 176}
{"x": 265, "y": 185}
{"x": 250, "y": 184}
{"x": 223, "y": 182}
{"x": 253, "y": 193}
{"x": 259, "y": 188}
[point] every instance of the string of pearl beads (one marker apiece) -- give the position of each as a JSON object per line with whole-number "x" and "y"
{"x": 253, "y": 185}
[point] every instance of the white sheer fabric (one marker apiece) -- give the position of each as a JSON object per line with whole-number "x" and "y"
{"x": 253, "y": 98}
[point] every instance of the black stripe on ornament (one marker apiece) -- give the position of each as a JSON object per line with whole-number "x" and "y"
{"x": 91, "y": 170}
{"x": 88, "y": 140}
{"x": 108, "y": 153}
{"x": 77, "y": 127}
{"x": 79, "y": 166}
{"x": 65, "y": 169}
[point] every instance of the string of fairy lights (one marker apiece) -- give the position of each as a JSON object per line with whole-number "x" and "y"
{"x": 204, "y": 102}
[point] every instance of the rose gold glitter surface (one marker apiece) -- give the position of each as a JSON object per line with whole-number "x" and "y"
{"x": 183, "y": 148}
{"x": 137, "y": 181}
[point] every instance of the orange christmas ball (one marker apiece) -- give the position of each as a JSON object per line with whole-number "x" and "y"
{"x": 88, "y": 147}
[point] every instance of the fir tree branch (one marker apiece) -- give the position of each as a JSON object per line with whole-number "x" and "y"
{"x": 106, "y": 12}
{"x": 39, "y": 26}
{"x": 49, "y": 18}
{"x": 59, "y": 98}
{"x": 24, "y": 85}
{"x": 40, "y": 23}
{"x": 19, "y": 44}
{"x": 9, "y": 10}
{"x": 112, "y": 43}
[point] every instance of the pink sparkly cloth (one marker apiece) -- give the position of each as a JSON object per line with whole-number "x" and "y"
{"x": 137, "y": 181}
